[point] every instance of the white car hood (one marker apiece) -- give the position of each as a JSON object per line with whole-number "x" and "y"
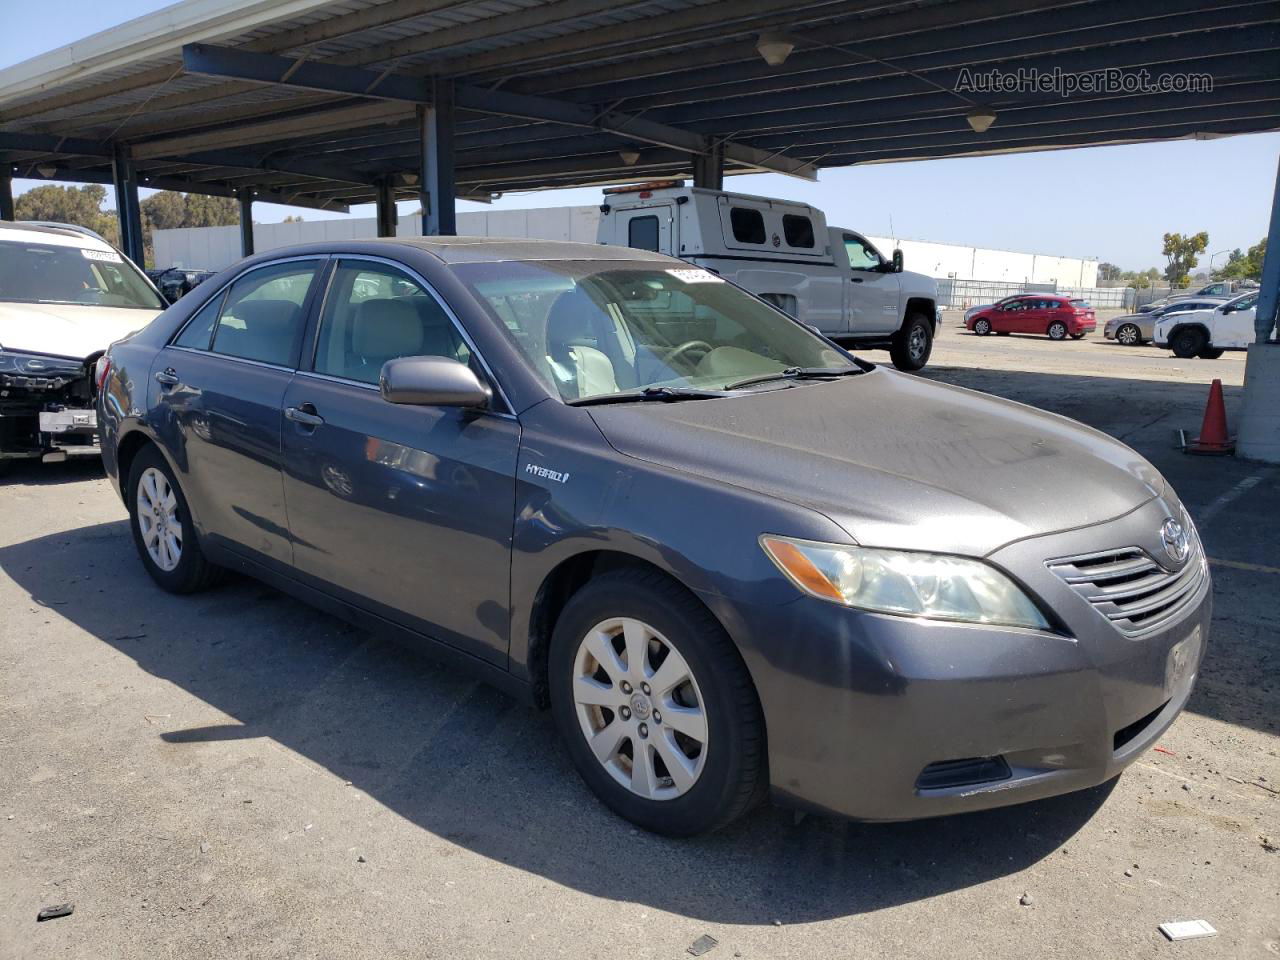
{"x": 67, "y": 329}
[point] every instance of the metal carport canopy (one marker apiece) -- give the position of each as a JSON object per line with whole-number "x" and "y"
{"x": 322, "y": 102}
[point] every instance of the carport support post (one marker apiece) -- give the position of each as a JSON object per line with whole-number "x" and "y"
{"x": 1259, "y": 435}
{"x": 125, "y": 179}
{"x": 708, "y": 168}
{"x": 6, "y": 195}
{"x": 245, "y": 196}
{"x": 437, "y": 184}
{"x": 387, "y": 214}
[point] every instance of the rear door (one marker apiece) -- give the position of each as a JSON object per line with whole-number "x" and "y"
{"x": 651, "y": 227}
{"x": 218, "y": 388}
{"x": 403, "y": 510}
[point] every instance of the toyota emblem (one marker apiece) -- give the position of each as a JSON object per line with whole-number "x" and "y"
{"x": 1176, "y": 543}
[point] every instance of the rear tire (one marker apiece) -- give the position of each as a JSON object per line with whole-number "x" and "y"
{"x": 1057, "y": 330}
{"x": 982, "y": 327}
{"x": 162, "y": 528}
{"x": 1129, "y": 335}
{"x": 1188, "y": 342}
{"x": 912, "y": 345}
{"x": 723, "y": 758}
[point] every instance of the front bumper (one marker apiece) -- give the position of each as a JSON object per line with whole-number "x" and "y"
{"x": 859, "y": 706}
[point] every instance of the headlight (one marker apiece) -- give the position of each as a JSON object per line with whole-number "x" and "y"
{"x": 32, "y": 365}
{"x": 904, "y": 583}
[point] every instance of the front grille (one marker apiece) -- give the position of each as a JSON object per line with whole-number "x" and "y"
{"x": 1131, "y": 589}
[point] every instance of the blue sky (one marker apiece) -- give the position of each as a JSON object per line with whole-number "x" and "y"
{"x": 1113, "y": 203}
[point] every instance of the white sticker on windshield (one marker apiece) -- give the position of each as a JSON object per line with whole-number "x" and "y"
{"x": 695, "y": 276}
{"x": 106, "y": 256}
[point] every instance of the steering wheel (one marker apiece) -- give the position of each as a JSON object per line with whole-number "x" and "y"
{"x": 685, "y": 348}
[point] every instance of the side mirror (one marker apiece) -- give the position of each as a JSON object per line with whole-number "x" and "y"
{"x": 897, "y": 261}
{"x": 1227, "y": 308}
{"x": 432, "y": 381}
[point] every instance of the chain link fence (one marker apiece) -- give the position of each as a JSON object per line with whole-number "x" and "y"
{"x": 956, "y": 294}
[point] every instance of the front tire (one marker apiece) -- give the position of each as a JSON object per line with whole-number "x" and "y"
{"x": 913, "y": 344}
{"x": 1188, "y": 342}
{"x": 1129, "y": 335}
{"x": 162, "y": 528}
{"x": 1057, "y": 330}
{"x": 1210, "y": 353}
{"x": 655, "y": 705}
{"x": 982, "y": 327}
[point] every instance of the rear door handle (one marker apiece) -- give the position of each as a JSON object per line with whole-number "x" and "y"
{"x": 857, "y": 279}
{"x": 304, "y": 415}
{"x": 168, "y": 377}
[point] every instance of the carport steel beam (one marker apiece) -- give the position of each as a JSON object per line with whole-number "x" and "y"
{"x": 216, "y": 61}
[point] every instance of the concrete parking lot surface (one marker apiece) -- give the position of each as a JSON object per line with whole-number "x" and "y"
{"x": 236, "y": 775}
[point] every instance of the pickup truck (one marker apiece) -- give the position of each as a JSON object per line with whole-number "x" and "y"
{"x": 831, "y": 278}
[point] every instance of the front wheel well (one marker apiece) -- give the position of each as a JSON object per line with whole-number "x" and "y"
{"x": 1178, "y": 328}
{"x": 921, "y": 305}
{"x": 555, "y": 592}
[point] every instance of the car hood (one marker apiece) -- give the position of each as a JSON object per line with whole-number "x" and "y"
{"x": 67, "y": 329}
{"x": 896, "y": 460}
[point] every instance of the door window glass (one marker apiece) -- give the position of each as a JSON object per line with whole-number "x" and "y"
{"x": 262, "y": 316}
{"x": 199, "y": 330}
{"x": 375, "y": 313}
{"x": 798, "y": 230}
{"x": 862, "y": 256}
{"x": 748, "y": 225}
{"x": 642, "y": 233}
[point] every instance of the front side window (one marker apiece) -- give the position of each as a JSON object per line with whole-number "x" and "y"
{"x": 48, "y": 273}
{"x": 592, "y": 329}
{"x": 748, "y": 225}
{"x": 642, "y": 233}
{"x": 1246, "y": 302}
{"x": 862, "y": 255}
{"x": 262, "y": 316}
{"x": 198, "y": 333}
{"x": 374, "y": 313}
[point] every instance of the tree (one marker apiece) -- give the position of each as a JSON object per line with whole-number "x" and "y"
{"x": 1244, "y": 266}
{"x": 1181, "y": 252}
{"x": 1108, "y": 274}
{"x": 169, "y": 210}
{"x": 291, "y": 219}
{"x": 79, "y": 205}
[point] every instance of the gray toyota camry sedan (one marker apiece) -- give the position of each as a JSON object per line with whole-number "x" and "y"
{"x": 731, "y": 558}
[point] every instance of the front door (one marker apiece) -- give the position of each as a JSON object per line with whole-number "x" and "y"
{"x": 873, "y": 290}
{"x": 219, "y": 387}
{"x": 403, "y": 510}
{"x": 1235, "y": 329}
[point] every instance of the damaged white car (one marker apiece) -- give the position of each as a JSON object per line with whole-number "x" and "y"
{"x": 65, "y": 296}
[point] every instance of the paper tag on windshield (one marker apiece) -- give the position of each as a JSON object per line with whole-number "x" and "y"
{"x": 695, "y": 276}
{"x": 106, "y": 256}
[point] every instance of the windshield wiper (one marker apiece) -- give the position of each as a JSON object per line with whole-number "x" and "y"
{"x": 796, "y": 373}
{"x": 661, "y": 394}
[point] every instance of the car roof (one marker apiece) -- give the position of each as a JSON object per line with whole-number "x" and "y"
{"x": 451, "y": 250}
{"x": 67, "y": 236}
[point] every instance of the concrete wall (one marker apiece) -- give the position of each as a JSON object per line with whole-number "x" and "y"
{"x": 216, "y": 247}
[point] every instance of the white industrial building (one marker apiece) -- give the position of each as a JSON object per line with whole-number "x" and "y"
{"x": 213, "y": 248}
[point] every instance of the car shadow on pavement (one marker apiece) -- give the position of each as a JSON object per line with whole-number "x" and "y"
{"x": 479, "y": 769}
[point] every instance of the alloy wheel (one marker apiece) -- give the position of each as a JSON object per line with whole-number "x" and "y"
{"x": 158, "y": 519}
{"x": 917, "y": 342}
{"x": 639, "y": 708}
{"x": 1128, "y": 335}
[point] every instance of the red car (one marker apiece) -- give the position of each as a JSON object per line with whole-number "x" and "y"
{"x": 1056, "y": 316}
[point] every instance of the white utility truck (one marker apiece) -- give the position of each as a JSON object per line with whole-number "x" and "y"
{"x": 833, "y": 279}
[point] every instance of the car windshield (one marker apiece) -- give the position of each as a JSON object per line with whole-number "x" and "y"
{"x": 602, "y": 328}
{"x": 48, "y": 273}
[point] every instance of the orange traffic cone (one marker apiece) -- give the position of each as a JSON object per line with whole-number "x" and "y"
{"x": 1213, "y": 432}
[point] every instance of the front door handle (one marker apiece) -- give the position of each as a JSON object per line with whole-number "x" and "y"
{"x": 305, "y": 415}
{"x": 857, "y": 279}
{"x": 167, "y": 377}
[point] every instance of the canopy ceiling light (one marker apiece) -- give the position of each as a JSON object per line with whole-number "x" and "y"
{"x": 47, "y": 170}
{"x": 774, "y": 48}
{"x": 981, "y": 119}
{"x": 629, "y": 157}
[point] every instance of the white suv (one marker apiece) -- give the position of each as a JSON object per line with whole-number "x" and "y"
{"x": 1207, "y": 333}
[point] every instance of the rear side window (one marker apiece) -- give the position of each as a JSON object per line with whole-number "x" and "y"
{"x": 1081, "y": 304}
{"x": 797, "y": 230}
{"x": 748, "y": 225}
{"x": 642, "y": 233}
{"x": 262, "y": 316}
